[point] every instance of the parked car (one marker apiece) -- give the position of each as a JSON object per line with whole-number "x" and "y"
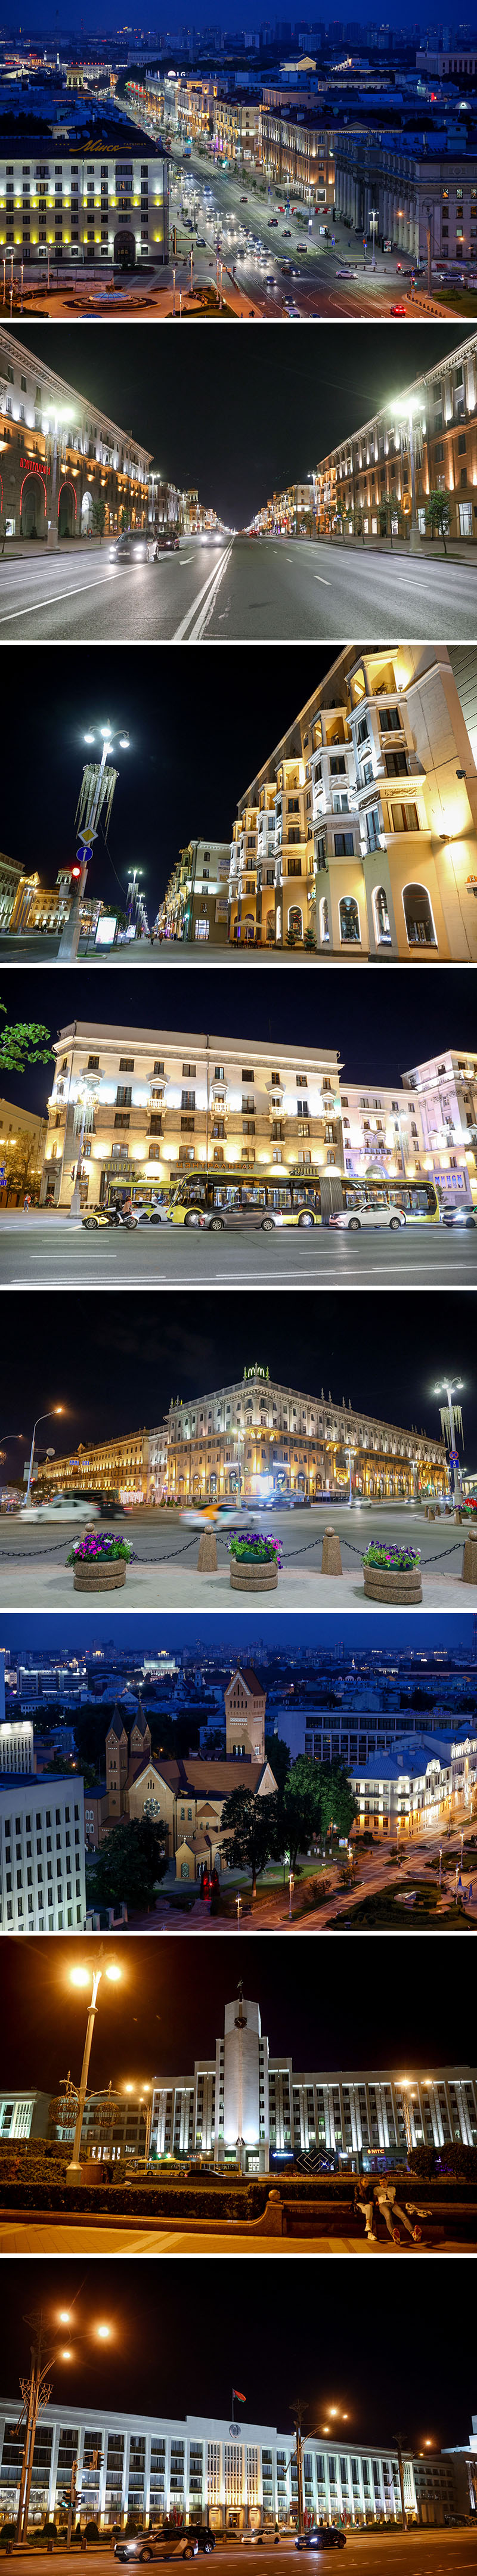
{"x": 351, "y": 1220}
{"x": 464, "y": 1215}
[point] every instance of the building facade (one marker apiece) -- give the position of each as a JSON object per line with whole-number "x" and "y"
{"x": 62, "y": 459}
{"x": 425, "y": 203}
{"x": 22, "y": 1145}
{"x": 236, "y": 2477}
{"x": 59, "y": 203}
{"x": 42, "y": 1868}
{"x": 109, "y": 1466}
{"x": 195, "y": 905}
{"x": 245, "y": 2108}
{"x": 257, "y": 1437}
{"x": 358, "y": 836}
{"x": 378, "y": 481}
{"x": 298, "y": 153}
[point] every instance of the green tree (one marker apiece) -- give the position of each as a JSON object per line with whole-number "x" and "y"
{"x": 300, "y": 1806}
{"x": 23, "y": 1042}
{"x": 129, "y": 1865}
{"x": 338, "y": 1806}
{"x": 252, "y": 1824}
{"x": 278, "y": 1755}
{"x": 437, "y": 516}
{"x": 124, "y": 521}
{"x": 99, "y": 515}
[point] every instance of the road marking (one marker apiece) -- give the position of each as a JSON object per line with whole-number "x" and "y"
{"x": 54, "y": 596}
{"x": 202, "y": 606}
{"x": 325, "y": 585}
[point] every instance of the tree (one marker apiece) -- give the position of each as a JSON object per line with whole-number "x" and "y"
{"x": 277, "y": 1753}
{"x": 252, "y": 1825}
{"x": 99, "y": 515}
{"x": 338, "y": 1806}
{"x": 300, "y": 1806}
{"x": 23, "y": 1042}
{"x": 129, "y": 1865}
{"x": 437, "y": 516}
{"x": 124, "y": 521}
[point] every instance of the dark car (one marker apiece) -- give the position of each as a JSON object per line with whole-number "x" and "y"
{"x": 166, "y": 543}
{"x": 328, "y": 2538}
{"x": 131, "y": 547}
{"x": 273, "y": 223}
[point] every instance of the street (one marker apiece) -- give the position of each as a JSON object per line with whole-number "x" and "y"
{"x": 244, "y": 590}
{"x": 48, "y": 1249}
{"x": 165, "y": 1574}
{"x": 425, "y": 2552}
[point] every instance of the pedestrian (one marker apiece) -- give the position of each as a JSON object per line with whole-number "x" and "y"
{"x": 364, "y": 2206}
{"x": 26, "y": 1202}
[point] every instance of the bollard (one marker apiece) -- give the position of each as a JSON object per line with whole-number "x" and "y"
{"x": 331, "y": 1553}
{"x": 469, "y": 1561}
{"x": 207, "y": 1557}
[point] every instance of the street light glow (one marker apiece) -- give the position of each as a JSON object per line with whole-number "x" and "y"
{"x": 103, "y": 2332}
{"x": 79, "y": 1976}
{"x": 113, "y": 1972}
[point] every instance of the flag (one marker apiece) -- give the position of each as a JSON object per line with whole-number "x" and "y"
{"x": 238, "y": 2392}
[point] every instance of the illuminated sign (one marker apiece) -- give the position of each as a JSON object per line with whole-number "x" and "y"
{"x": 256, "y": 1372}
{"x": 35, "y": 465}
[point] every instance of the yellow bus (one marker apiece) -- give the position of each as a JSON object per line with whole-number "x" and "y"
{"x": 300, "y": 1199}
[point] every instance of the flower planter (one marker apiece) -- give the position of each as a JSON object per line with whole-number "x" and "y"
{"x": 99, "y": 1574}
{"x": 382, "y": 1584}
{"x": 254, "y": 1577}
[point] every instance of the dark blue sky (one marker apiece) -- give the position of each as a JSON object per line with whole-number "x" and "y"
{"x": 146, "y": 1633}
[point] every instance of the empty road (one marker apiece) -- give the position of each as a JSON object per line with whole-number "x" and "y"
{"x": 243, "y": 590}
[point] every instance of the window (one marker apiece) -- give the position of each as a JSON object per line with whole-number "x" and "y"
{"x": 418, "y": 917}
{"x": 381, "y": 918}
{"x": 349, "y": 921}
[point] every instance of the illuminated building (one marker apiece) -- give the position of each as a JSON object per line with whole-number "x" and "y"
{"x": 358, "y": 835}
{"x": 114, "y": 1466}
{"x": 22, "y": 1144}
{"x": 257, "y": 1437}
{"x": 150, "y": 1104}
{"x": 298, "y": 154}
{"x": 59, "y": 456}
{"x": 195, "y": 905}
{"x": 248, "y": 2108}
{"x": 236, "y": 2477}
{"x": 410, "y": 191}
{"x": 429, "y": 436}
{"x": 42, "y": 1876}
{"x": 186, "y": 1796}
{"x": 57, "y": 200}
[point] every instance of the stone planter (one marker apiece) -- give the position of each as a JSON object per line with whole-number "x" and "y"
{"x": 253, "y": 1578}
{"x": 469, "y": 1562}
{"x": 99, "y": 1574}
{"x": 381, "y": 1584}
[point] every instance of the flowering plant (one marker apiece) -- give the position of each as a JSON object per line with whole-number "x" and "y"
{"x": 255, "y": 1548}
{"x": 470, "y": 1509}
{"x": 99, "y": 1543}
{"x": 385, "y": 1553}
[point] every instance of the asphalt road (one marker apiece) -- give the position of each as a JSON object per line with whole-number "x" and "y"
{"x": 159, "y": 1536}
{"x": 58, "y": 1251}
{"x": 424, "y": 2552}
{"x": 241, "y": 591}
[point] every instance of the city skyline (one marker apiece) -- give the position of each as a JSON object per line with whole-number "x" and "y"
{"x": 372, "y": 2374}
{"x": 149, "y": 1351}
{"x": 155, "y": 2023}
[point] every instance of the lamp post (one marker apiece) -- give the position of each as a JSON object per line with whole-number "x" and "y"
{"x": 373, "y": 220}
{"x": 97, "y": 790}
{"x": 41, "y": 1417}
{"x": 52, "y": 537}
{"x": 450, "y": 1387}
{"x": 79, "y": 1977}
{"x": 36, "y": 2392}
{"x": 408, "y": 411}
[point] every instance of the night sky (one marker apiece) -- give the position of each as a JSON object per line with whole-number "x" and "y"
{"x": 178, "y": 2343}
{"x": 198, "y": 731}
{"x": 146, "y": 1633}
{"x": 161, "y": 2016}
{"x": 375, "y": 1045}
{"x": 122, "y": 1360}
{"x": 235, "y": 427}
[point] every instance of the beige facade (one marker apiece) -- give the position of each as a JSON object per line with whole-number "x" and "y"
{"x": 22, "y": 1146}
{"x": 360, "y": 832}
{"x": 257, "y": 1437}
{"x": 195, "y": 906}
{"x": 59, "y": 455}
{"x": 107, "y": 1466}
{"x": 298, "y": 154}
{"x": 245, "y": 1704}
{"x": 187, "y": 1797}
{"x": 140, "y": 1107}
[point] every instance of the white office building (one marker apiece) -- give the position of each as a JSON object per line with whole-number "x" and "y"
{"x": 42, "y": 1865}
{"x": 235, "y": 2476}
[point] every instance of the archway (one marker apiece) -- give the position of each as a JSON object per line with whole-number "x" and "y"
{"x": 418, "y": 916}
{"x": 67, "y": 508}
{"x": 33, "y": 506}
{"x": 124, "y": 251}
{"x": 381, "y": 917}
{"x": 86, "y": 514}
{"x": 295, "y": 921}
{"x": 349, "y": 921}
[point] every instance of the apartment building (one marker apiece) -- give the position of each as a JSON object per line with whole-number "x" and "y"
{"x": 110, "y": 1466}
{"x": 379, "y": 480}
{"x": 22, "y": 1144}
{"x": 237, "y": 127}
{"x": 195, "y": 905}
{"x": 60, "y": 203}
{"x": 62, "y": 457}
{"x": 258, "y": 1437}
{"x": 359, "y": 832}
{"x": 140, "y": 1106}
{"x": 298, "y": 153}
{"x": 237, "y": 2479}
{"x": 42, "y": 1865}
{"x": 419, "y": 1783}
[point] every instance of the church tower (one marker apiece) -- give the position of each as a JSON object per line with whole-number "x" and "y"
{"x": 116, "y": 1764}
{"x": 245, "y": 1704}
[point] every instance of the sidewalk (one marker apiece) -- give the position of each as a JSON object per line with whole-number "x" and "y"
{"x": 168, "y": 1586}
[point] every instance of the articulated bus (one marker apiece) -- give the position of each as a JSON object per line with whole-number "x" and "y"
{"x": 301, "y": 1199}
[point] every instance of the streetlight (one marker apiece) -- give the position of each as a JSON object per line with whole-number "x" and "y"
{"x": 96, "y": 794}
{"x": 41, "y": 1417}
{"x": 451, "y": 1418}
{"x": 80, "y": 1977}
{"x": 59, "y": 419}
{"x": 408, "y": 410}
{"x": 36, "y": 2392}
{"x": 373, "y": 220}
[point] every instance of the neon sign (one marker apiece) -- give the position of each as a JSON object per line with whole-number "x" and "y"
{"x": 34, "y": 465}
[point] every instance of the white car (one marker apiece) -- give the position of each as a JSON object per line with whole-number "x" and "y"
{"x": 62, "y": 1507}
{"x": 351, "y": 1220}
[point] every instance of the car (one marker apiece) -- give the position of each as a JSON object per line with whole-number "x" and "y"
{"x": 368, "y": 1215}
{"x": 346, "y": 272}
{"x": 244, "y": 201}
{"x": 156, "y": 2545}
{"x": 156, "y": 1214}
{"x": 327, "y": 2538}
{"x": 464, "y": 1215}
{"x": 302, "y": 246}
{"x": 398, "y": 312}
{"x": 205, "y": 1515}
{"x": 283, "y": 1502}
{"x": 293, "y": 311}
{"x": 166, "y": 543}
{"x": 130, "y": 547}
{"x": 111, "y": 1216}
{"x": 286, "y": 270}
{"x": 273, "y": 223}
{"x": 248, "y": 1213}
{"x": 286, "y": 235}
{"x": 269, "y": 279}
{"x": 61, "y": 1507}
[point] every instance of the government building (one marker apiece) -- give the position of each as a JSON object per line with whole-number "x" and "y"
{"x": 236, "y": 2477}
{"x": 59, "y": 202}
{"x": 358, "y": 835}
{"x": 258, "y": 1437}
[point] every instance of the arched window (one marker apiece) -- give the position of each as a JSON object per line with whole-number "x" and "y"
{"x": 350, "y": 934}
{"x": 382, "y": 923}
{"x": 418, "y": 916}
{"x": 295, "y": 921}
{"x": 324, "y": 922}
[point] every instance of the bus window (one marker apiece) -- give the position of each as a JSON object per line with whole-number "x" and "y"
{"x": 252, "y": 1194}
{"x": 225, "y": 1195}
{"x": 279, "y": 1198}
